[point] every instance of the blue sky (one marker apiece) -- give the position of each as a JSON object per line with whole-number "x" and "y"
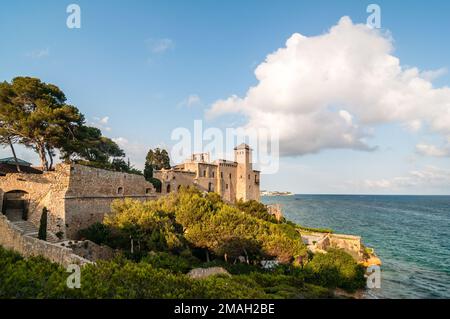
{"x": 134, "y": 67}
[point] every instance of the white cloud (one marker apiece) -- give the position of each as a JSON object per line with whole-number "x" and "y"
{"x": 160, "y": 45}
{"x": 432, "y": 75}
{"x": 429, "y": 177}
{"x": 329, "y": 91}
{"x": 39, "y": 54}
{"x": 433, "y": 150}
{"x": 190, "y": 101}
{"x": 136, "y": 152}
{"x": 101, "y": 123}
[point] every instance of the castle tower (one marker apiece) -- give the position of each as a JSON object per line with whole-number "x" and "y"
{"x": 244, "y": 174}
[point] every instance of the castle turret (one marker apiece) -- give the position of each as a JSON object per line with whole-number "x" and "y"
{"x": 246, "y": 178}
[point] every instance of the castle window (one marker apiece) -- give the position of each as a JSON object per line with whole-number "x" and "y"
{"x": 120, "y": 190}
{"x": 248, "y": 176}
{"x": 148, "y": 190}
{"x": 210, "y": 187}
{"x": 212, "y": 174}
{"x": 204, "y": 173}
{"x": 226, "y": 186}
{"x": 168, "y": 188}
{"x": 221, "y": 174}
{"x": 230, "y": 175}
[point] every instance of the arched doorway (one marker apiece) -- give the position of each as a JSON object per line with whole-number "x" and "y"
{"x": 15, "y": 205}
{"x": 168, "y": 188}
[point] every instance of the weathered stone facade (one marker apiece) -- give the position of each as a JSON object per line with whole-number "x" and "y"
{"x": 76, "y": 196}
{"x": 231, "y": 180}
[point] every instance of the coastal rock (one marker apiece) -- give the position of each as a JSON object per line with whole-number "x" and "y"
{"x": 201, "y": 273}
{"x": 371, "y": 261}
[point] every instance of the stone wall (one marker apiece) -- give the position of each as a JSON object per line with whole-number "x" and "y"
{"x": 11, "y": 238}
{"x": 91, "y": 191}
{"x": 172, "y": 179}
{"x": 323, "y": 241}
{"x": 44, "y": 190}
{"x": 76, "y": 196}
{"x": 88, "y": 181}
{"x": 351, "y": 244}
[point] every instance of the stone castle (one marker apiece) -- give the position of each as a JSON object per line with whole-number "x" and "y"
{"x": 232, "y": 180}
{"x": 78, "y": 196}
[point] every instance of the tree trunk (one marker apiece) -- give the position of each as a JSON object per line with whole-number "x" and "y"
{"x": 50, "y": 156}
{"x": 14, "y": 155}
{"x": 41, "y": 152}
{"x": 246, "y": 256}
{"x": 207, "y": 255}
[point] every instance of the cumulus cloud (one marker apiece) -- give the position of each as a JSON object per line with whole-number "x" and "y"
{"x": 432, "y": 75}
{"x": 429, "y": 177}
{"x": 331, "y": 90}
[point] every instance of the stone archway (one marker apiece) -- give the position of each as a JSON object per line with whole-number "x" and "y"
{"x": 15, "y": 205}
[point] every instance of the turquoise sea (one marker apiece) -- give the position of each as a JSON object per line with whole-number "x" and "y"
{"x": 411, "y": 235}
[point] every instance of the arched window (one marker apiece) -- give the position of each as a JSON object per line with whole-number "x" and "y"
{"x": 148, "y": 190}
{"x": 120, "y": 190}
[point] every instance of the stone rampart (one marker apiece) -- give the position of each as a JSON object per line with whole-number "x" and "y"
{"x": 12, "y": 238}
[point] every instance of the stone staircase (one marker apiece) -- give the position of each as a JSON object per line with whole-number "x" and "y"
{"x": 29, "y": 229}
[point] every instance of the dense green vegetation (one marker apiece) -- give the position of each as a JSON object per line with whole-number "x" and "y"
{"x": 39, "y": 278}
{"x": 189, "y": 221}
{"x": 161, "y": 241}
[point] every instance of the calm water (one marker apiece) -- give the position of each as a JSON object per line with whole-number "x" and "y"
{"x": 409, "y": 233}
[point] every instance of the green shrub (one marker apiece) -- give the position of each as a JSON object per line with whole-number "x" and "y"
{"x": 334, "y": 269}
{"x": 171, "y": 262}
{"x": 97, "y": 233}
{"x": 256, "y": 209}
